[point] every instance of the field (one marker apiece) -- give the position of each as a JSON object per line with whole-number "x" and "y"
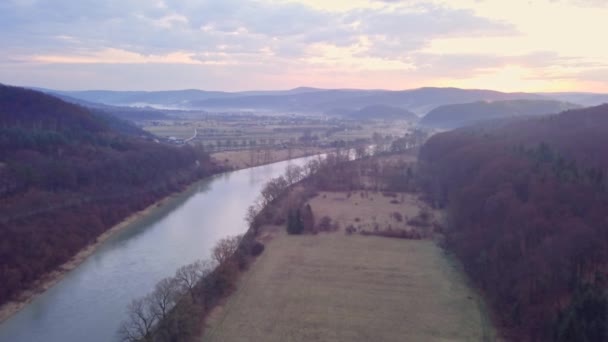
{"x": 234, "y": 132}
{"x": 368, "y": 210}
{"x": 338, "y": 287}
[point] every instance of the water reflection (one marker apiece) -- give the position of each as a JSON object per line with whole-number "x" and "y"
{"x": 89, "y": 303}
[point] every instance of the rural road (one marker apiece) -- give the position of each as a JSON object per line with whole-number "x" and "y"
{"x": 192, "y": 137}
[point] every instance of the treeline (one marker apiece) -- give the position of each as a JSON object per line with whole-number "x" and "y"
{"x": 176, "y": 308}
{"x": 527, "y": 206}
{"x": 67, "y": 175}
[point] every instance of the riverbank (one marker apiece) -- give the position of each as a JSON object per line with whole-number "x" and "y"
{"x": 341, "y": 283}
{"x": 48, "y": 280}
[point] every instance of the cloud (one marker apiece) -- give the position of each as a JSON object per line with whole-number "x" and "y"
{"x": 301, "y": 40}
{"x": 398, "y": 31}
{"x": 149, "y": 27}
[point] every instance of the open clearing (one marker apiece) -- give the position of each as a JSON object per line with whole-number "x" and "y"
{"x": 338, "y": 287}
{"x": 368, "y": 210}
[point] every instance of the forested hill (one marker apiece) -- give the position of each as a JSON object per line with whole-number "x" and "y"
{"x": 528, "y": 216}
{"x": 29, "y": 109}
{"x": 458, "y": 115}
{"x": 67, "y": 175}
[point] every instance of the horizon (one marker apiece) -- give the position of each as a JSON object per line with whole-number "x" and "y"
{"x": 34, "y": 87}
{"x": 251, "y": 45}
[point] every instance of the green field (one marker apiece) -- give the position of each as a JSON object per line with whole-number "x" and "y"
{"x": 334, "y": 287}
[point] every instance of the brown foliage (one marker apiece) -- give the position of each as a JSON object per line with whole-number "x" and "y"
{"x": 65, "y": 169}
{"x": 527, "y": 203}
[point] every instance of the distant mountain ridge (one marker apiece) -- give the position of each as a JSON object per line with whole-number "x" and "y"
{"x": 315, "y": 100}
{"x": 302, "y": 99}
{"x": 458, "y": 115}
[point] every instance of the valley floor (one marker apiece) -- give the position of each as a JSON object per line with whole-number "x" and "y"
{"x": 339, "y": 287}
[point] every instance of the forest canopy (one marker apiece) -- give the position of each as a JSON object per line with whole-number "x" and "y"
{"x": 67, "y": 175}
{"x": 528, "y": 216}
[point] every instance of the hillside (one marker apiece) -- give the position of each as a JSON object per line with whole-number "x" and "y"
{"x": 168, "y": 99}
{"x": 584, "y": 99}
{"x": 67, "y": 175}
{"x": 417, "y": 100}
{"x": 122, "y": 112}
{"x": 458, "y": 115}
{"x": 300, "y": 99}
{"x": 528, "y": 204}
{"x": 377, "y": 112}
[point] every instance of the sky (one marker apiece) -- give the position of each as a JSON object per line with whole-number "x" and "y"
{"x": 233, "y": 45}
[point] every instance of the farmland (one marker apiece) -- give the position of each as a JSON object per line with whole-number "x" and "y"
{"x": 235, "y": 132}
{"x": 339, "y": 287}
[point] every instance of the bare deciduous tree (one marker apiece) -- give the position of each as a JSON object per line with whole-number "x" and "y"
{"x": 225, "y": 248}
{"x": 274, "y": 189}
{"x": 294, "y": 173}
{"x": 189, "y": 275}
{"x": 140, "y": 321}
{"x": 164, "y": 297}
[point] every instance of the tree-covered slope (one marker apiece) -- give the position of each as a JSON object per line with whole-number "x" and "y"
{"x": 458, "y": 115}
{"x": 528, "y": 217}
{"x": 67, "y": 175}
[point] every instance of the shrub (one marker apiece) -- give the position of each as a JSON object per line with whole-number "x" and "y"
{"x": 324, "y": 224}
{"x": 257, "y": 248}
{"x": 350, "y": 229}
{"x": 398, "y": 217}
{"x": 294, "y": 222}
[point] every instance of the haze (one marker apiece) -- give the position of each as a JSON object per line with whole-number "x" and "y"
{"x": 244, "y": 45}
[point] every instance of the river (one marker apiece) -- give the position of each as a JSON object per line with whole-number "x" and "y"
{"x": 89, "y": 303}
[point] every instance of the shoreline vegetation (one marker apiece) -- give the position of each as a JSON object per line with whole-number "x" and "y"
{"x": 369, "y": 226}
{"x": 284, "y": 202}
{"x": 68, "y": 176}
{"x": 50, "y": 279}
{"x": 241, "y": 159}
{"x": 178, "y": 305}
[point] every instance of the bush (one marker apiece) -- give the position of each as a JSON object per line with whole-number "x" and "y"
{"x": 350, "y": 229}
{"x": 389, "y": 194}
{"x": 294, "y": 222}
{"x": 398, "y": 217}
{"x": 257, "y": 248}
{"x": 324, "y": 224}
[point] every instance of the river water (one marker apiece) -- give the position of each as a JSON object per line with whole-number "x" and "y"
{"x": 89, "y": 303}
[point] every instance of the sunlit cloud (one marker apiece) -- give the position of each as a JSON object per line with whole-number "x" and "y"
{"x": 540, "y": 45}
{"x": 116, "y": 56}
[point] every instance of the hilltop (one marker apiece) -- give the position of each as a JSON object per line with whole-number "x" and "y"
{"x": 302, "y": 99}
{"x": 458, "y": 115}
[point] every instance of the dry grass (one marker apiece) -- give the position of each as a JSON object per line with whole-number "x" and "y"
{"x": 334, "y": 287}
{"x": 367, "y": 210}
